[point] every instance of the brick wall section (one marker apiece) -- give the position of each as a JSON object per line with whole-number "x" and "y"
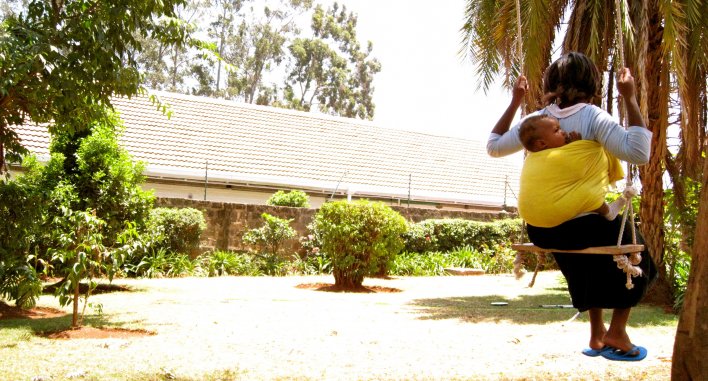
{"x": 227, "y": 222}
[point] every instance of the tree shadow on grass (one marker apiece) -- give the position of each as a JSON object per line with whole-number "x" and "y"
{"x": 477, "y": 309}
{"x": 101, "y": 288}
{"x": 526, "y": 309}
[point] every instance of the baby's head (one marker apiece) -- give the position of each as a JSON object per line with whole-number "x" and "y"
{"x": 541, "y": 132}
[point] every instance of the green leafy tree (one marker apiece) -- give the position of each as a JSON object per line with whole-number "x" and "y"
{"x": 62, "y": 61}
{"x": 165, "y": 65}
{"x": 80, "y": 250}
{"x": 257, "y": 48}
{"x": 331, "y": 70}
{"x": 103, "y": 175}
{"x": 360, "y": 237}
{"x": 263, "y": 57}
{"x": 222, "y": 29}
{"x": 100, "y": 177}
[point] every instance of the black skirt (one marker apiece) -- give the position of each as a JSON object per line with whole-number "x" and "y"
{"x": 594, "y": 281}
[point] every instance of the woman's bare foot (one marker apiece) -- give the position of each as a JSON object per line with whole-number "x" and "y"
{"x": 621, "y": 342}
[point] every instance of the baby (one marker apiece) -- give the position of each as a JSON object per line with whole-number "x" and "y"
{"x": 540, "y": 132}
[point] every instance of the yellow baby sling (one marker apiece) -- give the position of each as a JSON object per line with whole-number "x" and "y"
{"x": 558, "y": 184}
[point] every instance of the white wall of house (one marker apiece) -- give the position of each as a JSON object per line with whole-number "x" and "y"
{"x": 212, "y": 193}
{"x": 219, "y": 193}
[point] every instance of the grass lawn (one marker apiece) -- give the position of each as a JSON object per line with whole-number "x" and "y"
{"x": 262, "y": 328}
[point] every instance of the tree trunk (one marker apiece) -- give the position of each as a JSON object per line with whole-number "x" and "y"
{"x": 75, "y": 316}
{"x": 691, "y": 345}
{"x": 346, "y": 281}
{"x": 652, "y": 207}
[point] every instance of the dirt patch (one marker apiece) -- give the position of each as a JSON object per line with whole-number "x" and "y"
{"x": 329, "y": 287}
{"x": 98, "y": 333}
{"x": 10, "y": 312}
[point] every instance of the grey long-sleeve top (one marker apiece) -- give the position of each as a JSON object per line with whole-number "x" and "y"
{"x": 632, "y": 145}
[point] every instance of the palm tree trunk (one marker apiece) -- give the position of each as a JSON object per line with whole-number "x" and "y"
{"x": 652, "y": 207}
{"x": 691, "y": 345}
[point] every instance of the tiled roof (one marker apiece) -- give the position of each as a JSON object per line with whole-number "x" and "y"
{"x": 260, "y": 145}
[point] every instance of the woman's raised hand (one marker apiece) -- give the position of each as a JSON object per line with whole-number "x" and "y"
{"x": 626, "y": 87}
{"x": 519, "y": 90}
{"x": 625, "y": 83}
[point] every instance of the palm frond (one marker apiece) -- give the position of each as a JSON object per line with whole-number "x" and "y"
{"x": 486, "y": 39}
{"x": 541, "y": 20}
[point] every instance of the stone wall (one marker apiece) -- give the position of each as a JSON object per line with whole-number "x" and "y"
{"x": 227, "y": 222}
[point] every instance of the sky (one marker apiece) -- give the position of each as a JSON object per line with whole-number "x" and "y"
{"x": 425, "y": 85}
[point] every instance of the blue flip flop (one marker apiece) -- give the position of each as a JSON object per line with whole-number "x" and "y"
{"x": 637, "y": 353}
{"x": 596, "y": 352}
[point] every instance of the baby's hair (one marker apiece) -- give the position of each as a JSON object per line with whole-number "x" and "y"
{"x": 571, "y": 79}
{"x": 528, "y": 131}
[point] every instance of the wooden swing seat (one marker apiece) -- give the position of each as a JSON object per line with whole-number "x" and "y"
{"x": 603, "y": 250}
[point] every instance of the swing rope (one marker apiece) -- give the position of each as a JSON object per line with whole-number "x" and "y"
{"x": 628, "y": 264}
{"x": 520, "y": 49}
{"x": 626, "y": 256}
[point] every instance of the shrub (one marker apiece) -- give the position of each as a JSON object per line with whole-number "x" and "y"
{"x": 271, "y": 236}
{"x": 420, "y": 238}
{"x": 104, "y": 175}
{"x": 21, "y": 208}
{"x": 177, "y": 230}
{"x": 451, "y": 234}
{"x": 293, "y": 198}
{"x": 361, "y": 238}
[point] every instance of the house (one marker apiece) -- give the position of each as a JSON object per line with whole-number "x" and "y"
{"x": 228, "y": 151}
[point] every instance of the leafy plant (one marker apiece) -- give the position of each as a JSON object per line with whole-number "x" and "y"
{"x": 272, "y": 264}
{"x": 314, "y": 264}
{"x": 19, "y": 282}
{"x": 220, "y": 263}
{"x": 496, "y": 260}
{"x": 176, "y": 230}
{"x": 271, "y": 236}
{"x": 294, "y": 198}
{"x": 361, "y": 238}
{"x": 82, "y": 252}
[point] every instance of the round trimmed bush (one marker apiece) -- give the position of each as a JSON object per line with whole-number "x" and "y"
{"x": 295, "y": 198}
{"x": 361, "y": 238}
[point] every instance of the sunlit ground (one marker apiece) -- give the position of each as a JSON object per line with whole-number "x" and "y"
{"x": 268, "y": 328}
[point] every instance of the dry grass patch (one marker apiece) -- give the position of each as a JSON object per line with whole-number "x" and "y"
{"x": 260, "y": 328}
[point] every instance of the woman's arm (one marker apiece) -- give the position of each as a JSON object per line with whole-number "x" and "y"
{"x": 633, "y": 144}
{"x": 500, "y": 144}
{"x": 517, "y": 97}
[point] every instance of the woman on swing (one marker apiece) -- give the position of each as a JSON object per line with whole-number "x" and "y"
{"x": 570, "y": 85}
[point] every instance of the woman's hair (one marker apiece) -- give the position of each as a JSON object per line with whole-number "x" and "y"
{"x": 528, "y": 131}
{"x": 571, "y": 79}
